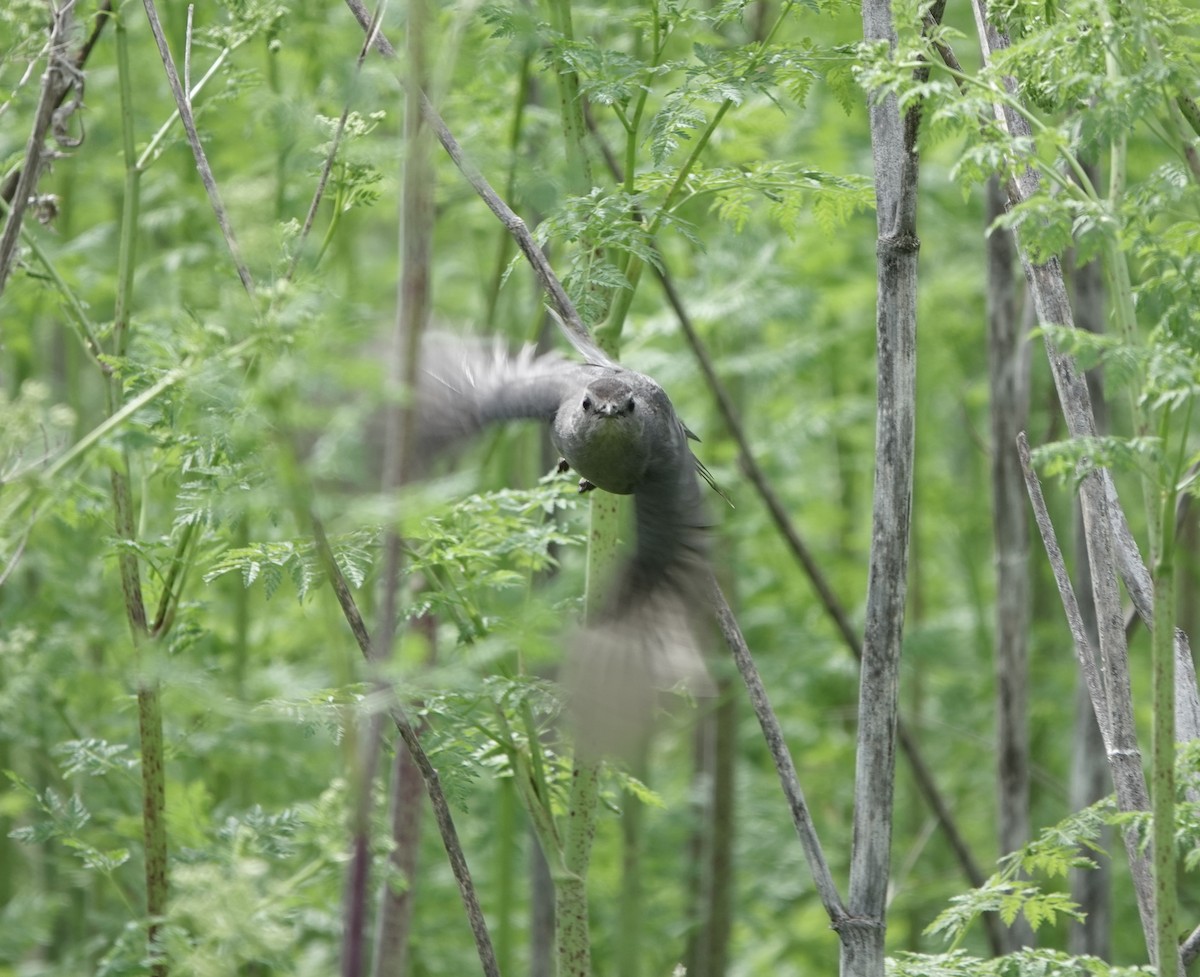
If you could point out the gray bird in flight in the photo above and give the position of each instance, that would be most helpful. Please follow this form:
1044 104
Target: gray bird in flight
618 430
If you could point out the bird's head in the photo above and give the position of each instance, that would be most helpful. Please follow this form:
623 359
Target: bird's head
609 399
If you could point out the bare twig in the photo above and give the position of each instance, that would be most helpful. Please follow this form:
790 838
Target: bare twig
102 17
1066 590
16 558
749 464
773 734
187 51
183 103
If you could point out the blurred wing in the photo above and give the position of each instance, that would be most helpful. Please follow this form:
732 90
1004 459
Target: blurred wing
466 386
646 640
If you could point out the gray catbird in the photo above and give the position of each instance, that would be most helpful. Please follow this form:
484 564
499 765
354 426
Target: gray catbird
619 431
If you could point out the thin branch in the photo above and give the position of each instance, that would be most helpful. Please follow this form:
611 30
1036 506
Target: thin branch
16 558
1066 591
183 103
187 49
773 734
753 471
156 140
433 785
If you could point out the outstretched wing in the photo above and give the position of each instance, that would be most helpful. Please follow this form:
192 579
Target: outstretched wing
465 386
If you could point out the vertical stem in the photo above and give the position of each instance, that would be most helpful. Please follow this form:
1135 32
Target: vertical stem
629 948
1008 375
504 239
893 143
506 848
150 727
574 940
394 915
579 167
412 309
154 828
1162 761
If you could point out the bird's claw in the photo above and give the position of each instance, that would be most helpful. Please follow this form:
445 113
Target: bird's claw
562 466
585 486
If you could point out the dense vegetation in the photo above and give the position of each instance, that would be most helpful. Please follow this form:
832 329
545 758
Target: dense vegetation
192 381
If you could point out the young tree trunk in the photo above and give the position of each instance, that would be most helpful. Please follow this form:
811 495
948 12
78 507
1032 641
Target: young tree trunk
1008 368
893 141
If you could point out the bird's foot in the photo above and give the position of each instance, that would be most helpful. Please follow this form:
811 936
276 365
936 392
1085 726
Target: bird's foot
562 466
585 486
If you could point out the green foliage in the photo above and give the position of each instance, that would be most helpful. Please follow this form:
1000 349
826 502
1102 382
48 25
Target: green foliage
1011 893
743 156
1074 843
268 562
1023 963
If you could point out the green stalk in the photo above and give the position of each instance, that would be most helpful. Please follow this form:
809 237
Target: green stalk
571 905
154 805
633 124
1161 531
504 240
574 945
579 167
149 702
506 848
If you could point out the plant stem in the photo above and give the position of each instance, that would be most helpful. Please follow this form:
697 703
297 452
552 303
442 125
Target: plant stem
1162 763
610 331
579 168
574 941
149 701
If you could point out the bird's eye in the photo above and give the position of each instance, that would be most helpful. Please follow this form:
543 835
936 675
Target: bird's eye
629 405
587 403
